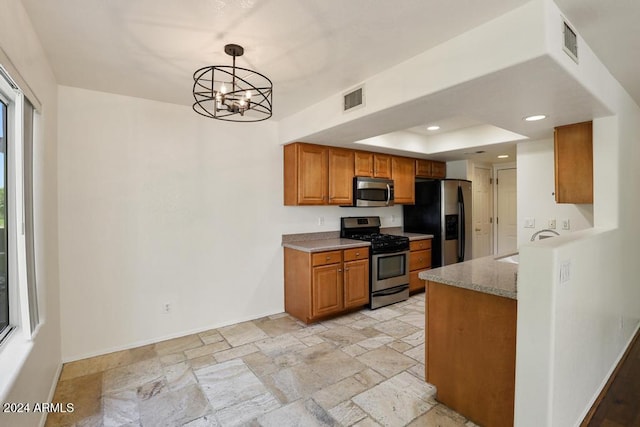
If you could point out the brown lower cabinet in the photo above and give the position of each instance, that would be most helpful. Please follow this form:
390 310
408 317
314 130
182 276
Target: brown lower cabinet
419 260
322 284
471 352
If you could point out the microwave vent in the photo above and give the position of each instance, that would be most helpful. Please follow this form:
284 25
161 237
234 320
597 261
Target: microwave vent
353 99
570 42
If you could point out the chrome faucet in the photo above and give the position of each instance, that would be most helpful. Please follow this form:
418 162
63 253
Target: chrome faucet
546 230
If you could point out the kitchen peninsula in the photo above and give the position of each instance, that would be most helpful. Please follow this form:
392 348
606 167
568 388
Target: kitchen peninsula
470 349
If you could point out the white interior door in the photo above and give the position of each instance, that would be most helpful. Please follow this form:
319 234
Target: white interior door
482 212
507 217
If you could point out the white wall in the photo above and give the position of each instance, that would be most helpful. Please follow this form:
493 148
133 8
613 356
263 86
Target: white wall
460 169
466 57
171 208
536 185
34 379
572 334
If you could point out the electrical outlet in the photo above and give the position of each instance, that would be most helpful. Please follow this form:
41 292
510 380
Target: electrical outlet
393 218
529 223
566 225
166 308
552 224
320 220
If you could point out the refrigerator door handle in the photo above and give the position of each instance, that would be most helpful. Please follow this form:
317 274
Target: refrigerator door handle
461 226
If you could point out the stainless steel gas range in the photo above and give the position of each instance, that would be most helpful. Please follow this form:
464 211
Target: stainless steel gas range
388 263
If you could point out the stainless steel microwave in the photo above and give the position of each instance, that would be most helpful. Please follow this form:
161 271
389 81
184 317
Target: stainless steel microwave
368 192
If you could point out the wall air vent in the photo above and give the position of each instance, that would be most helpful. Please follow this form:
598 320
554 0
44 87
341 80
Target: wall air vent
353 99
570 41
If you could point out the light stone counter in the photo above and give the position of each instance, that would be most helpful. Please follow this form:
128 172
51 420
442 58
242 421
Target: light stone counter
484 274
321 245
331 240
397 231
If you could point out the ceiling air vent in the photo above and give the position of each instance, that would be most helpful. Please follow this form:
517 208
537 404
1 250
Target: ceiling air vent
570 42
353 99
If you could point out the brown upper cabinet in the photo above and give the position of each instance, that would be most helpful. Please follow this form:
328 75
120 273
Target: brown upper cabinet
323 175
372 164
341 172
573 152
306 174
363 163
317 175
430 169
403 173
381 165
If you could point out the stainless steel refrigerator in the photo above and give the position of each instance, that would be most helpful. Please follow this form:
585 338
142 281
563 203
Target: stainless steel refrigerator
443 208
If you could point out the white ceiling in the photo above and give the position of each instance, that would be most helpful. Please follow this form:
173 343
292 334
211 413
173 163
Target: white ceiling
309 49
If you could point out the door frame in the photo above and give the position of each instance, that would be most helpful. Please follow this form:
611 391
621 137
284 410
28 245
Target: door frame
496 168
492 200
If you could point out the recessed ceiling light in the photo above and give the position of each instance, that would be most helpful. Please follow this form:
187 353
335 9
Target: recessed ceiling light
503 156
434 127
535 118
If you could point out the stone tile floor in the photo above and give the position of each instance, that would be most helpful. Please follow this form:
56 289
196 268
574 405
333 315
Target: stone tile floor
362 369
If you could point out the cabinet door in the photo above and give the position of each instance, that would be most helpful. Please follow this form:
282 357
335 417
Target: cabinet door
416 284
341 172
381 165
363 163
326 290
423 168
312 175
438 170
356 283
573 149
404 179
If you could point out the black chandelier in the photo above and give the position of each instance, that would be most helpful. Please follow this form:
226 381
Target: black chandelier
232 93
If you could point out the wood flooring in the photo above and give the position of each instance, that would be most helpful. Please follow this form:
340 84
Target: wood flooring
620 406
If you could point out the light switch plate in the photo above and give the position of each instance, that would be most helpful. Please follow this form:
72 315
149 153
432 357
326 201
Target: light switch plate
529 223
566 225
552 224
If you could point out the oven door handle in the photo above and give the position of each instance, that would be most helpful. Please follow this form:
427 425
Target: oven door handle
392 291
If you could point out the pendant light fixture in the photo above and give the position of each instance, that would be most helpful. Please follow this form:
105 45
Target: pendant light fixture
232 93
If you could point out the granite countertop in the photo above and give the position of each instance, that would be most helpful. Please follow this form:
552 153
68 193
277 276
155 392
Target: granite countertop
484 274
331 240
397 231
414 236
322 245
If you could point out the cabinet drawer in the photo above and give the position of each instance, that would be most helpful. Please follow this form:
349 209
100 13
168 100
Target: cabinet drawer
419 245
323 258
420 260
356 253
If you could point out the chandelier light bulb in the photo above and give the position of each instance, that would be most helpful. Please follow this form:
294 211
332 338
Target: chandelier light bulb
223 89
248 94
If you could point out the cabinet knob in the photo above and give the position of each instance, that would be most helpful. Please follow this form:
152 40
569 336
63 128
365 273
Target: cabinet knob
346 269
357 253
328 258
339 270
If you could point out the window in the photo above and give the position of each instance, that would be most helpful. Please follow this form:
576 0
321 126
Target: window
18 297
4 268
